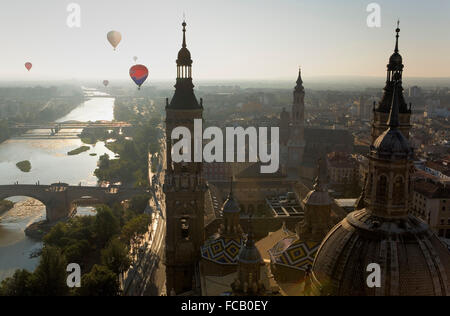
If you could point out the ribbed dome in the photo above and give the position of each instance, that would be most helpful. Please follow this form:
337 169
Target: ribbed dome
391 143
184 57
396 58
413 260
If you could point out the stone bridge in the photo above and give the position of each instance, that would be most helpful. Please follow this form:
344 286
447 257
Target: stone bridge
61 199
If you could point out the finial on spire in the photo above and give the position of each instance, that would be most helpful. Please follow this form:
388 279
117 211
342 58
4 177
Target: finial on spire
397 36
299 78
321 179
184 32
393 115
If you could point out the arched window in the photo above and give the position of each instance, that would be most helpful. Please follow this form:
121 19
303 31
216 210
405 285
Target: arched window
382 188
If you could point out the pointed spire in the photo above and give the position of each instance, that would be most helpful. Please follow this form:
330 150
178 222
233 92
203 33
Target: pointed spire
397 36
299 78
184 33
321 180
393 115
250 241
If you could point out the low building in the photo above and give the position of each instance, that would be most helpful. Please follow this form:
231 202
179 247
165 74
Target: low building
431 203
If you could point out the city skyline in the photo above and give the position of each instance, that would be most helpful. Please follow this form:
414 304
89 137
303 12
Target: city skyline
326 39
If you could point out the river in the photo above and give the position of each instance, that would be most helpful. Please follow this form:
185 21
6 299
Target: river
50 163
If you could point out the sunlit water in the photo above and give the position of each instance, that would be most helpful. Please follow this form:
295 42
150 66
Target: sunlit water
49 164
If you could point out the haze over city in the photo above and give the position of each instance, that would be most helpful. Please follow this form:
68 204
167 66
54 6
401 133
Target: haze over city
253 39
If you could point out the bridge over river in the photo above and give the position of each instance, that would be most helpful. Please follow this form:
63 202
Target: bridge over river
70 125
56 129
61 199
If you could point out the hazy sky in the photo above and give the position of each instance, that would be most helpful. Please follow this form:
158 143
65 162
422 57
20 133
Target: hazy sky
228 39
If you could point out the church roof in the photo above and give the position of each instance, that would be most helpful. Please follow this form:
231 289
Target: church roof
413 259
294 253
335 136
222 250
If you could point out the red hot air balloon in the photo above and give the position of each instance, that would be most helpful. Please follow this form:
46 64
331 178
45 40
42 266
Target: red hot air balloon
28 66
139 74
105 83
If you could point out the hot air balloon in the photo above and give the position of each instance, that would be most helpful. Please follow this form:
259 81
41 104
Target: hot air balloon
105 83
139 74
114 38
28 65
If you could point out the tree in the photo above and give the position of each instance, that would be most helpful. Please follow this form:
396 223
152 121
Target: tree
50 274
99 282
135 228
20 284
116 256
106 225
139 203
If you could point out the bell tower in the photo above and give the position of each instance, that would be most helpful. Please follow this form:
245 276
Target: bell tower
296 144
381 111
184 186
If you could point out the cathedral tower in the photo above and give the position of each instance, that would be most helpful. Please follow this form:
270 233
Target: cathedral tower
296 144
184 186
412 260
381 111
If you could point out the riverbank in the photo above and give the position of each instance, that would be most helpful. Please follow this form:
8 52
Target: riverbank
50 164
5 206
38 230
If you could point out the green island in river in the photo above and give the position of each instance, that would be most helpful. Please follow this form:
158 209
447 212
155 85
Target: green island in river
24 166
78 150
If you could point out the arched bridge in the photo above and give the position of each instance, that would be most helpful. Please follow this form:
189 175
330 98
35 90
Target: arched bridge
61 199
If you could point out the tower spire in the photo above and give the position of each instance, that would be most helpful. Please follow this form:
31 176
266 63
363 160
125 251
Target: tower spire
393 115
299 79
322 177
397 36
184 33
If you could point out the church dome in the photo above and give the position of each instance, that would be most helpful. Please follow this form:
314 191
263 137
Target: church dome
184 57
413 260
391 143
396 59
